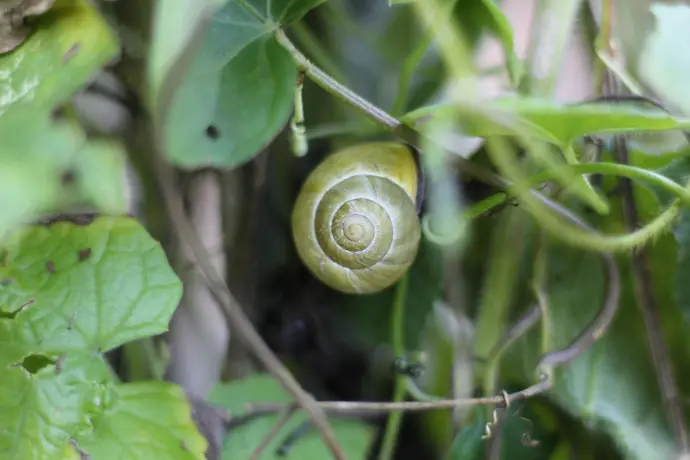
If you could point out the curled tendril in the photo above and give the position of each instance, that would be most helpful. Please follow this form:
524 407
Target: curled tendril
525 438
488 433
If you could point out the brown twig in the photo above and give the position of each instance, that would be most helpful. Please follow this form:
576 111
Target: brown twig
238 321
644 292
409 406
521 326
288 412
235 316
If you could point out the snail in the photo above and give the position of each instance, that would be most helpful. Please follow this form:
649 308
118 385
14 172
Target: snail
355 224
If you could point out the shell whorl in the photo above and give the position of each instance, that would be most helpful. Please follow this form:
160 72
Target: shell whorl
355 221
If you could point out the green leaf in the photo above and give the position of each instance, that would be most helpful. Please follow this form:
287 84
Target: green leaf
528 422
447 343
68 293
94 287
554 122
611 385
238 92
101 175
682 235
468 443
229 109
145 421
679 170
285 12
43 407
48 165
354 436
68 46
174 25
42 157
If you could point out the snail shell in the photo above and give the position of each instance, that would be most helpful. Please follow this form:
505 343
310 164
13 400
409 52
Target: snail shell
355 223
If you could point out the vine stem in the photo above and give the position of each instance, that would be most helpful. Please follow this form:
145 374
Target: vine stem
373 112
614 169
537 204
400 391
408 406
239 323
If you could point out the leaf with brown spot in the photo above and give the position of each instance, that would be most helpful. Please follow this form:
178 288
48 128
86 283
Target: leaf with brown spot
84 254
71 52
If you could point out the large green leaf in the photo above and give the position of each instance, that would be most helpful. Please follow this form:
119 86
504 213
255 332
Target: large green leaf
238 92
145 421
468 443
682 234
527 431
612 385
174 25
555 122
354 436
68 46
48 165
675 279
42 407
68 293
664 278
92 287
226 116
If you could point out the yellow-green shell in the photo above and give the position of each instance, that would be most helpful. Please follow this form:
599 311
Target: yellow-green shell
355 222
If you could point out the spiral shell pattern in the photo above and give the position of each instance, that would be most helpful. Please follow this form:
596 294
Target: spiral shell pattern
355 221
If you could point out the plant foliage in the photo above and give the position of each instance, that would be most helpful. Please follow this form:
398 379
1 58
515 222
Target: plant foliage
557 208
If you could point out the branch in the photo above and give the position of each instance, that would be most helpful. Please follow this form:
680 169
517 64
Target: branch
374 113
238 321
288 412
367 408
644 292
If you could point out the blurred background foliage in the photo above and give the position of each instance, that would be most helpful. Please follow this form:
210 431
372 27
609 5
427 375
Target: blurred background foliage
225 124
607 403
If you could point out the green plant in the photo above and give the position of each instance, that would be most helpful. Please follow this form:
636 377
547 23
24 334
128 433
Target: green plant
542 311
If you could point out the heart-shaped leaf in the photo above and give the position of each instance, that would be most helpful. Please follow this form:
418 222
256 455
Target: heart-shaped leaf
238 91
